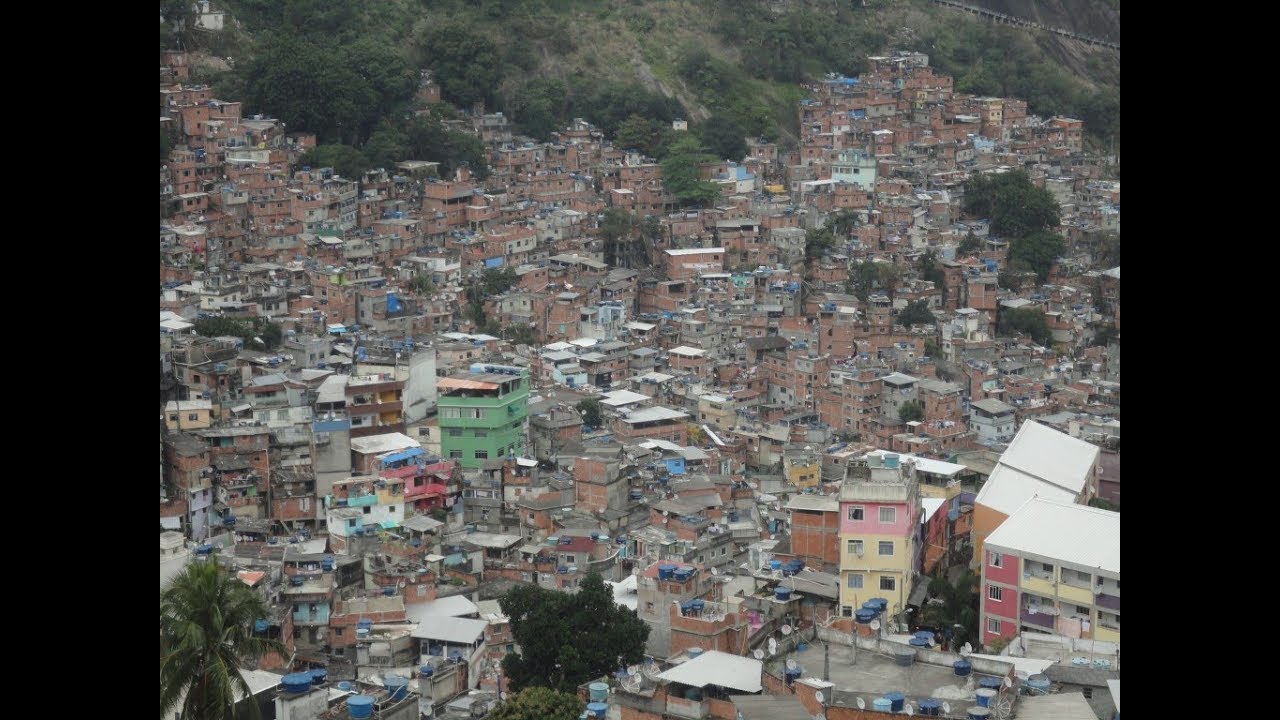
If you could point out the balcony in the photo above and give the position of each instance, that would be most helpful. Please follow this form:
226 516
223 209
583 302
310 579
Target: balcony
1037 619
1108 602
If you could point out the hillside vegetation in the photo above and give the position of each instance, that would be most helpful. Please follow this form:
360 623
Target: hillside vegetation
347 71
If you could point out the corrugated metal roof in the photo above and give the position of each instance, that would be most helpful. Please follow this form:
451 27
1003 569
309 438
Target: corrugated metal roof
1062 531
716 668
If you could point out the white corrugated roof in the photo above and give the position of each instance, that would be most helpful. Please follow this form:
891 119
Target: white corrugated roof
716 668
452 606
650 414
693 251
1039 461
463 631
924 464
1062 531
622 397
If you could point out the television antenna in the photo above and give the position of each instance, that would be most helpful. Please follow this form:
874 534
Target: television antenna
862 704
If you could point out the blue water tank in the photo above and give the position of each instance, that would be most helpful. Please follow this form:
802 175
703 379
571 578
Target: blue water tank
1039 682
992 683
697 604
364 623
891 460
319 675
683 574
296 682
775 564
204 549
260 625
782 593
904 657
930 706
360 706
962 667
296 580
345 686
985 695
918 642
389 590
924 635
979 713
397 686
599 691
665 570
862 617
871 605
897 699
882 602
794 674
597 709
326 563
228 519
882 705
693 652
426 671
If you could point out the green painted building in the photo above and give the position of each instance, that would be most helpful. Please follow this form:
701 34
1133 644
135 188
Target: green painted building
482 413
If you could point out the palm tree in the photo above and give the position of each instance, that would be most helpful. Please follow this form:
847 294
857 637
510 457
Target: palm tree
958 607
206 636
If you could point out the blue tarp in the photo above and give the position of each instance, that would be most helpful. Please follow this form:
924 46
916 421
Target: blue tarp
397 457
493 262
393 303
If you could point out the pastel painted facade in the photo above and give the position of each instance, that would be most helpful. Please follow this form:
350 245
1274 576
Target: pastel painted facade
483 414
379 502
1053 567
879 534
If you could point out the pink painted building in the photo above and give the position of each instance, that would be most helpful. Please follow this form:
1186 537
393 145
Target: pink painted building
999 596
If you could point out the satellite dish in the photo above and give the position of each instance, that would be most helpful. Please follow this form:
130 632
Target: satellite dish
791 664
633 669
1007 682
664 513
875 624
906 708
946 708
666 520
862 704
820 697
715 571
773 646
758 654
966 650
786 629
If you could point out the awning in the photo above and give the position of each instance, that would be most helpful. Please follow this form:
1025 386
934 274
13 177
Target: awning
388 524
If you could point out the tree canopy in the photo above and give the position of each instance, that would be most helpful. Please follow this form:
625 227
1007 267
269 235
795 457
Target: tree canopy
590 409
724 137
911 411
538 703
1039 250
1015 205
1028 320
464 62
916 313
680 172
206 637
568 639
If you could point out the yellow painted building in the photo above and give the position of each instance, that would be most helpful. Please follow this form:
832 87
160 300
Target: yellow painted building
184 415
879 527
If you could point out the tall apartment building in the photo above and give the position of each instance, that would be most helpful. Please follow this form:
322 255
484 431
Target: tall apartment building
483 413
1053 567
879 527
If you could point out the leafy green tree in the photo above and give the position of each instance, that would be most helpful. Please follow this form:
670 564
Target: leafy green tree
568 639
590 410
916 313
817 243
863 279
538 703
464 61
426 138
384 72
421 284
345 160
1039 250
889 276
641 133
911 411
1015 205
1026 320
386 147
206 638
1104 504
540 107
845 222
680 173
959 606
970 244
725 138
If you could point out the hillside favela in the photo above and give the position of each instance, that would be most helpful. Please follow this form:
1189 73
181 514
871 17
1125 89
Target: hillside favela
639 360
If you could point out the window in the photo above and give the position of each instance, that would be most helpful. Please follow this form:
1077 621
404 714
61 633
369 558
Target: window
455 432
846 611
482 454
886 547
338 631
482 433
854 547
393 508
888 515
173 418
451 413
855 581
855 512
368 509
997 560
888 583
995 592
993 626
455 454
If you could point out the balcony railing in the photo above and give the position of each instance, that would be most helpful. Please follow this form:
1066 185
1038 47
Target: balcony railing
1038 619
1109 602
